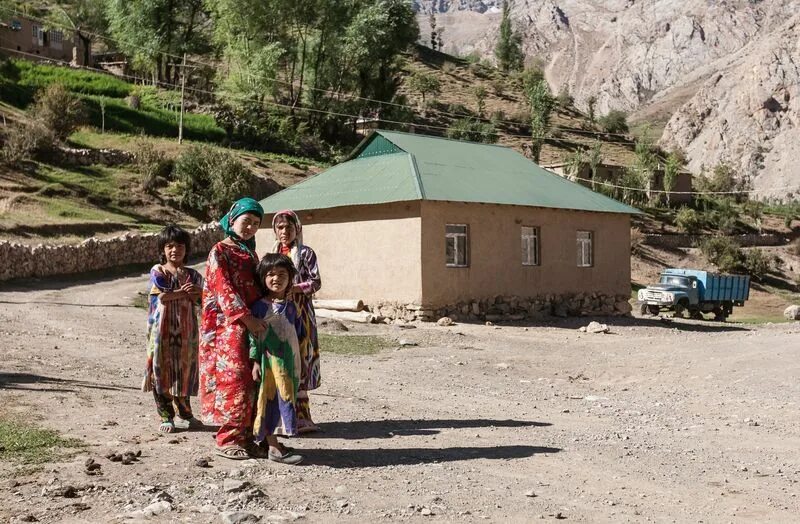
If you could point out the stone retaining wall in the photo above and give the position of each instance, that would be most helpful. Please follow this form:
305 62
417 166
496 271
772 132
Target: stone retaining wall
748 240
510 308
25 261
87 157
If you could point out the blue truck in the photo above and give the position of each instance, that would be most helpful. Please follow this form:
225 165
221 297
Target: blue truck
695 292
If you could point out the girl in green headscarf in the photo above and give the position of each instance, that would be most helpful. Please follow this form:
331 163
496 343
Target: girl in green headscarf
230 289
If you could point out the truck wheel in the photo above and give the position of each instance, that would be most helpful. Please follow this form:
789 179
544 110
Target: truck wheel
680 307
695 314
719 314
653 310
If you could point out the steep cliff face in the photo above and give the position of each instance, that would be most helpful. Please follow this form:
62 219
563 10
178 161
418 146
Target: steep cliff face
748 114
695 59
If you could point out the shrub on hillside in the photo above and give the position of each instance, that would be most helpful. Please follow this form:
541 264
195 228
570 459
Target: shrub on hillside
208 180
688 220
723 252
614 122
27 141
472 130
58 110
756 263
151 164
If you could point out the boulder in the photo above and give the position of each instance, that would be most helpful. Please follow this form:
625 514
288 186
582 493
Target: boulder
792 312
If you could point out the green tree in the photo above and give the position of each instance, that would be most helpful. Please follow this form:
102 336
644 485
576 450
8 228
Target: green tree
425 84
575 162
595 158
480 98
591 105
324 53
509 44
755 210
541 102
86 17
615 122
672 168
646 163
432 24
150 30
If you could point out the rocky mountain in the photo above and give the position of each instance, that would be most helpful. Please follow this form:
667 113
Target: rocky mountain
723 73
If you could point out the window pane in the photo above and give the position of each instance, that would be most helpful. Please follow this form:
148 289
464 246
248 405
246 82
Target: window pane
450 251
461 250
456 229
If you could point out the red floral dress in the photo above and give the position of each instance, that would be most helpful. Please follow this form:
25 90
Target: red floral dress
226 383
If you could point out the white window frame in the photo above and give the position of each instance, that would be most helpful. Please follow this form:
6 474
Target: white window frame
585 248
454 236
37 35
56 38
531 242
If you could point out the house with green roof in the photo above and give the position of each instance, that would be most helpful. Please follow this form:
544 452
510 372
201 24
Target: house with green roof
419 226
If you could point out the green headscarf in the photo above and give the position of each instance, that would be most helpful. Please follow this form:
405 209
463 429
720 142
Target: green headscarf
239 208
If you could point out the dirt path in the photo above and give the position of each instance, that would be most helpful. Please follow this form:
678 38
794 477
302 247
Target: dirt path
657 421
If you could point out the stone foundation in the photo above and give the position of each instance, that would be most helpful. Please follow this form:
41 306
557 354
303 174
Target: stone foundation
25 261
500 308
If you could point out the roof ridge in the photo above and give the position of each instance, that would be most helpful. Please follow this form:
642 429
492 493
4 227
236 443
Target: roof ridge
416 175
457 140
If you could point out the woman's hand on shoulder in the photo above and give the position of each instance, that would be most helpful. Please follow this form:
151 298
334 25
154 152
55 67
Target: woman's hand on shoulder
254 325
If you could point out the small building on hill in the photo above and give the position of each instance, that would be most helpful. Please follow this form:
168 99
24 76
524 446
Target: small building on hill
419 226
25 38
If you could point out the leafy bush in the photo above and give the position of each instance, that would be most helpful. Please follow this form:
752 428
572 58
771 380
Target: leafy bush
564 98
723 253
26 141
499 86
472 130
756 263
688 220
614 122
208 180
58 110
151 164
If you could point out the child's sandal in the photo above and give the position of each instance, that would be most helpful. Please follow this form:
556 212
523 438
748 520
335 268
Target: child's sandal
234 452
167 426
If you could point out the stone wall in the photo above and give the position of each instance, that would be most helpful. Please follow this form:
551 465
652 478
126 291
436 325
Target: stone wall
26 261
751 239
510 308
88 157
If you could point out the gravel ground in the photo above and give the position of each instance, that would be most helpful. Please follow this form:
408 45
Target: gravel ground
656 421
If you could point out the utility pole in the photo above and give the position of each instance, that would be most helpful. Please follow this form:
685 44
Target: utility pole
183 93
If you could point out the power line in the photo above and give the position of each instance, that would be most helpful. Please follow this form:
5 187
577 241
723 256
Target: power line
350 96
169 86
287 106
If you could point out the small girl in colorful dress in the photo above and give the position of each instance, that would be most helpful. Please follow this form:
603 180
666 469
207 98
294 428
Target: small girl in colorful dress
275 358
172 331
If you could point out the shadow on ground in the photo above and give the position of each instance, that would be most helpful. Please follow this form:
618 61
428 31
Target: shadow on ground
376 458
31 382
365 429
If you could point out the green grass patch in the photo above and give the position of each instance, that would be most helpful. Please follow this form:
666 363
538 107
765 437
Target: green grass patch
27 444
352 344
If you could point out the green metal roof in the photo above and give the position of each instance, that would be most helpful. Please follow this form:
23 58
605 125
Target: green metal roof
389 166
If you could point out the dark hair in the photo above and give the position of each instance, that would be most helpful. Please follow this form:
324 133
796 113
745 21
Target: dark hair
173 233
271 261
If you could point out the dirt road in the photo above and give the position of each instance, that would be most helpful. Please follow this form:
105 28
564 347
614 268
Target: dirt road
655 422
